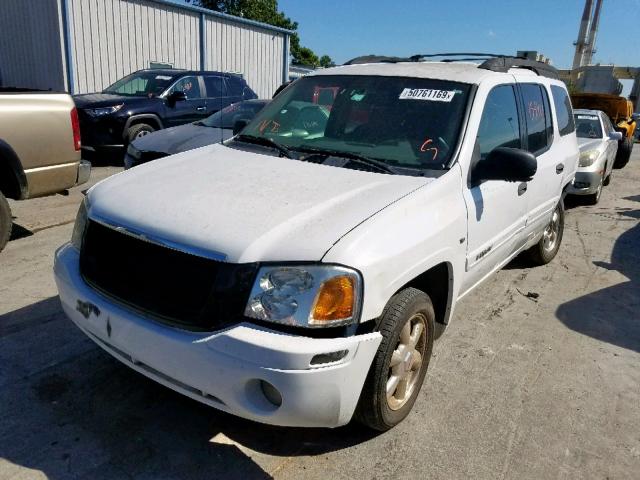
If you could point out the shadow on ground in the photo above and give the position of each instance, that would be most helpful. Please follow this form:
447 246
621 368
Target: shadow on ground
593 315
71 411
18 232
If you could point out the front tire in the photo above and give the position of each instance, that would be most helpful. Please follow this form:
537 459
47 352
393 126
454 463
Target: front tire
5 221
407 326
594 198
139 130
546 249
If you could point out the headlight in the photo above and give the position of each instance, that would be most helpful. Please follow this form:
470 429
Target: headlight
587 158
306 295
133 152
101 112
80 225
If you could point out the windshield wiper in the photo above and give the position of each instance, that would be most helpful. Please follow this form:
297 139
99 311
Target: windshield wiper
356 157
265 142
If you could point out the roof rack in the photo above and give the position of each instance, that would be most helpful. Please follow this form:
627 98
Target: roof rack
503 64
490 61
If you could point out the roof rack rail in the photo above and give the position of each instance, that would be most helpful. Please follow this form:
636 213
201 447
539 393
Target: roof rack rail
419 57
376 59
503 64
491 61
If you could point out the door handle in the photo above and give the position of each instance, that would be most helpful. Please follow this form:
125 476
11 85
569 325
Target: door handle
200 109
560 168
522 188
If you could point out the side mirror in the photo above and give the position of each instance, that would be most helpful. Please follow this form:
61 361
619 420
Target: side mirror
508 164
239 125
177 96
617 136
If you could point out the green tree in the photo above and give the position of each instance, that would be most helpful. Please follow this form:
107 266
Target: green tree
325 61
266 11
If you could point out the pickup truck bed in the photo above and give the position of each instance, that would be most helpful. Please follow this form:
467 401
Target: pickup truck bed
39 148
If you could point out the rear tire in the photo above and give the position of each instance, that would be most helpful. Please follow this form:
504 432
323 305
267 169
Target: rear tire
624 153
547 248
407 326
5 221
139 130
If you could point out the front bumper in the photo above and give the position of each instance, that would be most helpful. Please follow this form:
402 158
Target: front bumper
101 132
224 369
585 183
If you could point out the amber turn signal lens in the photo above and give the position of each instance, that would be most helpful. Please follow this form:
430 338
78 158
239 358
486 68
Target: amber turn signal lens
335 300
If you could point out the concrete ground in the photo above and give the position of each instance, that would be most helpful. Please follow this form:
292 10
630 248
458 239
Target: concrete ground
538 376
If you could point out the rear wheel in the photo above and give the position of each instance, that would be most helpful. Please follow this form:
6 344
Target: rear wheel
5 221
139 130
546 249
624 153
397 373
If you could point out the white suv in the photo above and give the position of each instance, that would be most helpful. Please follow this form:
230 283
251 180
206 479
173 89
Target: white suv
294 274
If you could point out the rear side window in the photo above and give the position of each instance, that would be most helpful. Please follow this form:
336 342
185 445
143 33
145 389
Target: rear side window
539 127
215 86
564 112
499 126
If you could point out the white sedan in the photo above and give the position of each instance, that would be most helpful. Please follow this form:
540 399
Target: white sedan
598 142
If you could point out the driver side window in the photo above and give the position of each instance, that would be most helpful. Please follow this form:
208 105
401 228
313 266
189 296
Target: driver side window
499 126
188 85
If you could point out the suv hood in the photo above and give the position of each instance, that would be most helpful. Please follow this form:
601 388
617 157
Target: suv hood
247 206
97 100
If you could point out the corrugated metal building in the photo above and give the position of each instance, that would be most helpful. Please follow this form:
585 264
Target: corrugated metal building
85 45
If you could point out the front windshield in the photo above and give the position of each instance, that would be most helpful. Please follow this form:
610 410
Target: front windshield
405 122
228 116
141 84
588 126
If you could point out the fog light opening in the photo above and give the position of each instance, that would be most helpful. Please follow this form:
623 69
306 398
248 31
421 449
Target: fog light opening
271 393
328 357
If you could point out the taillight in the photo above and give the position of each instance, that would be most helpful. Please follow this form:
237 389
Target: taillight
75 126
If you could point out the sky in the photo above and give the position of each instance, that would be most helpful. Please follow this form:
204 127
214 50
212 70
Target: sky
344 29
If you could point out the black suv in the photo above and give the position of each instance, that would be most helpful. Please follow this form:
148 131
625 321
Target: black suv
149 100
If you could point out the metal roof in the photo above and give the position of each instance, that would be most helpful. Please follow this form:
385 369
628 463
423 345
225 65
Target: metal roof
224 16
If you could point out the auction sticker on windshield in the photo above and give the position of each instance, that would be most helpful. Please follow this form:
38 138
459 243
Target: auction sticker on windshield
587 117
427 94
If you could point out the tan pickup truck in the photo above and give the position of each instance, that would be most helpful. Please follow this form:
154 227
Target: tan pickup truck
39 148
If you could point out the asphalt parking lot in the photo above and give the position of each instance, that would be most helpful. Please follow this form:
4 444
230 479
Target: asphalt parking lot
538 376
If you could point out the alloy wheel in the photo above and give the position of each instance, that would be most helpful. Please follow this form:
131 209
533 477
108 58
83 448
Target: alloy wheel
551 233
406 362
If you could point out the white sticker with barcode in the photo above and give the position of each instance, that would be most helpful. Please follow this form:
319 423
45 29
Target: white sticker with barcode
163 77
427 94
587 117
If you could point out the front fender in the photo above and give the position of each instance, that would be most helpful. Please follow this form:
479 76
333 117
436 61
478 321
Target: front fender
141 117
412 235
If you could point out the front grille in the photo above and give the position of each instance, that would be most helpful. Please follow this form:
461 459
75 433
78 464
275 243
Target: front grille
175 287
